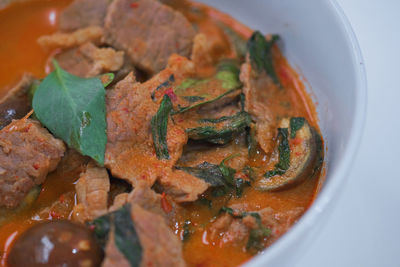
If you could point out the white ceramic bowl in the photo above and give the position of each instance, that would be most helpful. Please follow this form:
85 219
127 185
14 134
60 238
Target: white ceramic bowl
320 44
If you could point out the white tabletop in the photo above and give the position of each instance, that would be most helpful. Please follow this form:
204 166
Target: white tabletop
364 229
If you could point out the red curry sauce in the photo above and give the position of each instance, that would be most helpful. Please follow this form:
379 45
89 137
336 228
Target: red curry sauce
20 26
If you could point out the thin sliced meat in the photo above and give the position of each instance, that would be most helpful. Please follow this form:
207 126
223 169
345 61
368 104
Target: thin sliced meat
130 153
16 103
160 246
92 192
148 31
143 196
89 60
28 152
236 230
68 40
257 88
83 13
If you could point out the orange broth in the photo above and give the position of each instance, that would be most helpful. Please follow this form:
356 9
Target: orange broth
20 26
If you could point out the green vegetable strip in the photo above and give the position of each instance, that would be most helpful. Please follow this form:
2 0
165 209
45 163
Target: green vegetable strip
296 124
126 238
256 235
233 124
187 108
284 154
260 51
215 175
159 125
166 83
251 141
208 172
221 177
193 98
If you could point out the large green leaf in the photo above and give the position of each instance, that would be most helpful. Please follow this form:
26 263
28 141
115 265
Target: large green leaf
73 109
260 51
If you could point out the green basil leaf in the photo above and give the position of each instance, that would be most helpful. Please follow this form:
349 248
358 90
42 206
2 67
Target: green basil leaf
159 125
256 237
166 83
284 154
208 172
126 238
74 110
220 134
296 123
260 51
215 175
184 109
193 98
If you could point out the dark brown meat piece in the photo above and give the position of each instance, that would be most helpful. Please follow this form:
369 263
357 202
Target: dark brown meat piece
88 60
130 153
160 246
148 31
16 103
83 13
257 88
28 152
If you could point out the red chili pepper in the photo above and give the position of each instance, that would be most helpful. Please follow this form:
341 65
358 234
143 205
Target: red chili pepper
54 215
166 206
296 141
169 92
134 5
36 166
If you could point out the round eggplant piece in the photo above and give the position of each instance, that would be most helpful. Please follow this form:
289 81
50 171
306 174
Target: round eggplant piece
56 243
302 146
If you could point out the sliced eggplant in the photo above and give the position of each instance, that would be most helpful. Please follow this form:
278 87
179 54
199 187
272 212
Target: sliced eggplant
17 103
299 147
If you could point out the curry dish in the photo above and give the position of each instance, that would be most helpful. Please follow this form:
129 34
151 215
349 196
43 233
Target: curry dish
147 133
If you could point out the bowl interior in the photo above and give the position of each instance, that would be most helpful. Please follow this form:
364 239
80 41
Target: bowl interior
319 42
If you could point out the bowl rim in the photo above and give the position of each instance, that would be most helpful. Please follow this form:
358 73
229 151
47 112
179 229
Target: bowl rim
331 186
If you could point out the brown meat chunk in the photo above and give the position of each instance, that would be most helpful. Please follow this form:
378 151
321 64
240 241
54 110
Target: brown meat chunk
160 246
83 13
88 60
148 31
229 230
92 192
68 40
201 53
28 152
16 103
257 88
130 153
